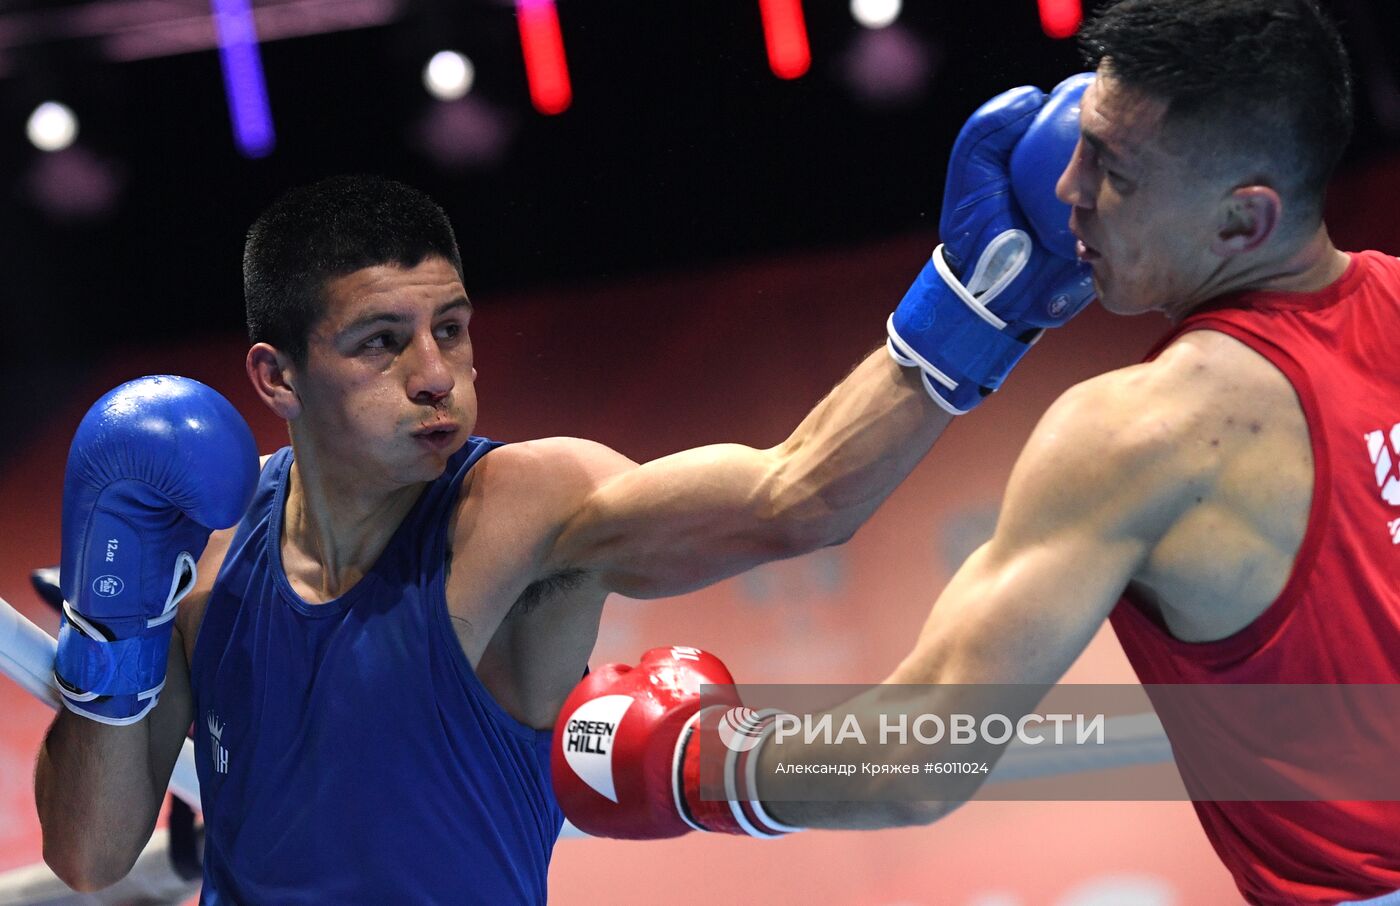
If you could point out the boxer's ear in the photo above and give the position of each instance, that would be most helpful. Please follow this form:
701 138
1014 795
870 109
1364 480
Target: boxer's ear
1247 218
273 375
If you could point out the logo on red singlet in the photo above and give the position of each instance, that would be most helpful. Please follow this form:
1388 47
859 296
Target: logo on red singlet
1386 458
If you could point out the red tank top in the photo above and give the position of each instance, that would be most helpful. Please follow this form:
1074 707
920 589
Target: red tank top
1338 617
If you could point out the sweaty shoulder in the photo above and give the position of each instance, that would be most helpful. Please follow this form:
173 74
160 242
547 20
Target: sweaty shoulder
1205 397
1211 446
1250 424
561 462
1123 451
537 486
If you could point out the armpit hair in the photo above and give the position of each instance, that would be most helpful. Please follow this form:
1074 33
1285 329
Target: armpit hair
538 592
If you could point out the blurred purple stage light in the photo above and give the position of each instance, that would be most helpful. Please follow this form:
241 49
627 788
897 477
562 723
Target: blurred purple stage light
142 29
243 77
74 185
891 66
468 133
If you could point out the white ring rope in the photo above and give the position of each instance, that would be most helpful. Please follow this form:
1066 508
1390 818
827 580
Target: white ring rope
1129 741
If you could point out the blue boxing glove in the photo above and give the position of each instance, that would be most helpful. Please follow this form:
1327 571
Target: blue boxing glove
1005 270
1041 156
155 466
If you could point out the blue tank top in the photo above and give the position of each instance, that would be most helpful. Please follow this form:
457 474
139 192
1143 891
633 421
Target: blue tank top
347 751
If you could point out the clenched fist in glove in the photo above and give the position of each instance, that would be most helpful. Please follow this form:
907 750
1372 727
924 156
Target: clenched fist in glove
1007 267
626 754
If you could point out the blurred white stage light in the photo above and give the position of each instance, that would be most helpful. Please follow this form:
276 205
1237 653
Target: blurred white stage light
52 126
448 75
876 13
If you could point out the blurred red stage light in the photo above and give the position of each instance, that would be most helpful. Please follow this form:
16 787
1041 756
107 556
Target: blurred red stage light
785 34
1061 18
543 46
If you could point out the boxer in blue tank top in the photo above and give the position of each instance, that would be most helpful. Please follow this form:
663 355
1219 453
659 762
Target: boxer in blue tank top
373 657
340 683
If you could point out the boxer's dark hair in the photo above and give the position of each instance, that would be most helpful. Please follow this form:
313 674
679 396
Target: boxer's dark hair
1260 81
325 230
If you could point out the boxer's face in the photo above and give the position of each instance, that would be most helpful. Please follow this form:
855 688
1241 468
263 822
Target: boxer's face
388 382
1145 216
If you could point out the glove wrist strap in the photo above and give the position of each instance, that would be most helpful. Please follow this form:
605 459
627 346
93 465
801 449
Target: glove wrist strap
740 811
114 681
90 664
962 348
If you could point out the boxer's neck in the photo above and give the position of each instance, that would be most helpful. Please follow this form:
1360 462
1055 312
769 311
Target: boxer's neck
1310 266
333 532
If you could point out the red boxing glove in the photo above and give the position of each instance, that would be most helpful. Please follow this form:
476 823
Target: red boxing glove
626 759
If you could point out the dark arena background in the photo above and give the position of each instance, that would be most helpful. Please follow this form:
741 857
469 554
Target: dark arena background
681 223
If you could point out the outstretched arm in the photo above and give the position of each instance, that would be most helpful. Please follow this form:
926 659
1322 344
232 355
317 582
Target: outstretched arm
693 518
690 519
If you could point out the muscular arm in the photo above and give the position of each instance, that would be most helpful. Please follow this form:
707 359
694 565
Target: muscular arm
1103 477
690 519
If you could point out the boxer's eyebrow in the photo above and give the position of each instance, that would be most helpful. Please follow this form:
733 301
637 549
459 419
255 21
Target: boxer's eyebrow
375 318
1100 147
459 302
1103 151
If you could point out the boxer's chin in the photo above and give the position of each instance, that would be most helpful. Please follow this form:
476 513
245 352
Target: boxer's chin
1113 297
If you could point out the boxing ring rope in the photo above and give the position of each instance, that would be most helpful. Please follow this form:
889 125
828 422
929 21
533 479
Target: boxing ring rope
27 655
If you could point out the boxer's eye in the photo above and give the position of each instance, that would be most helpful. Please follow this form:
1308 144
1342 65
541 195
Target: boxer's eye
380 342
